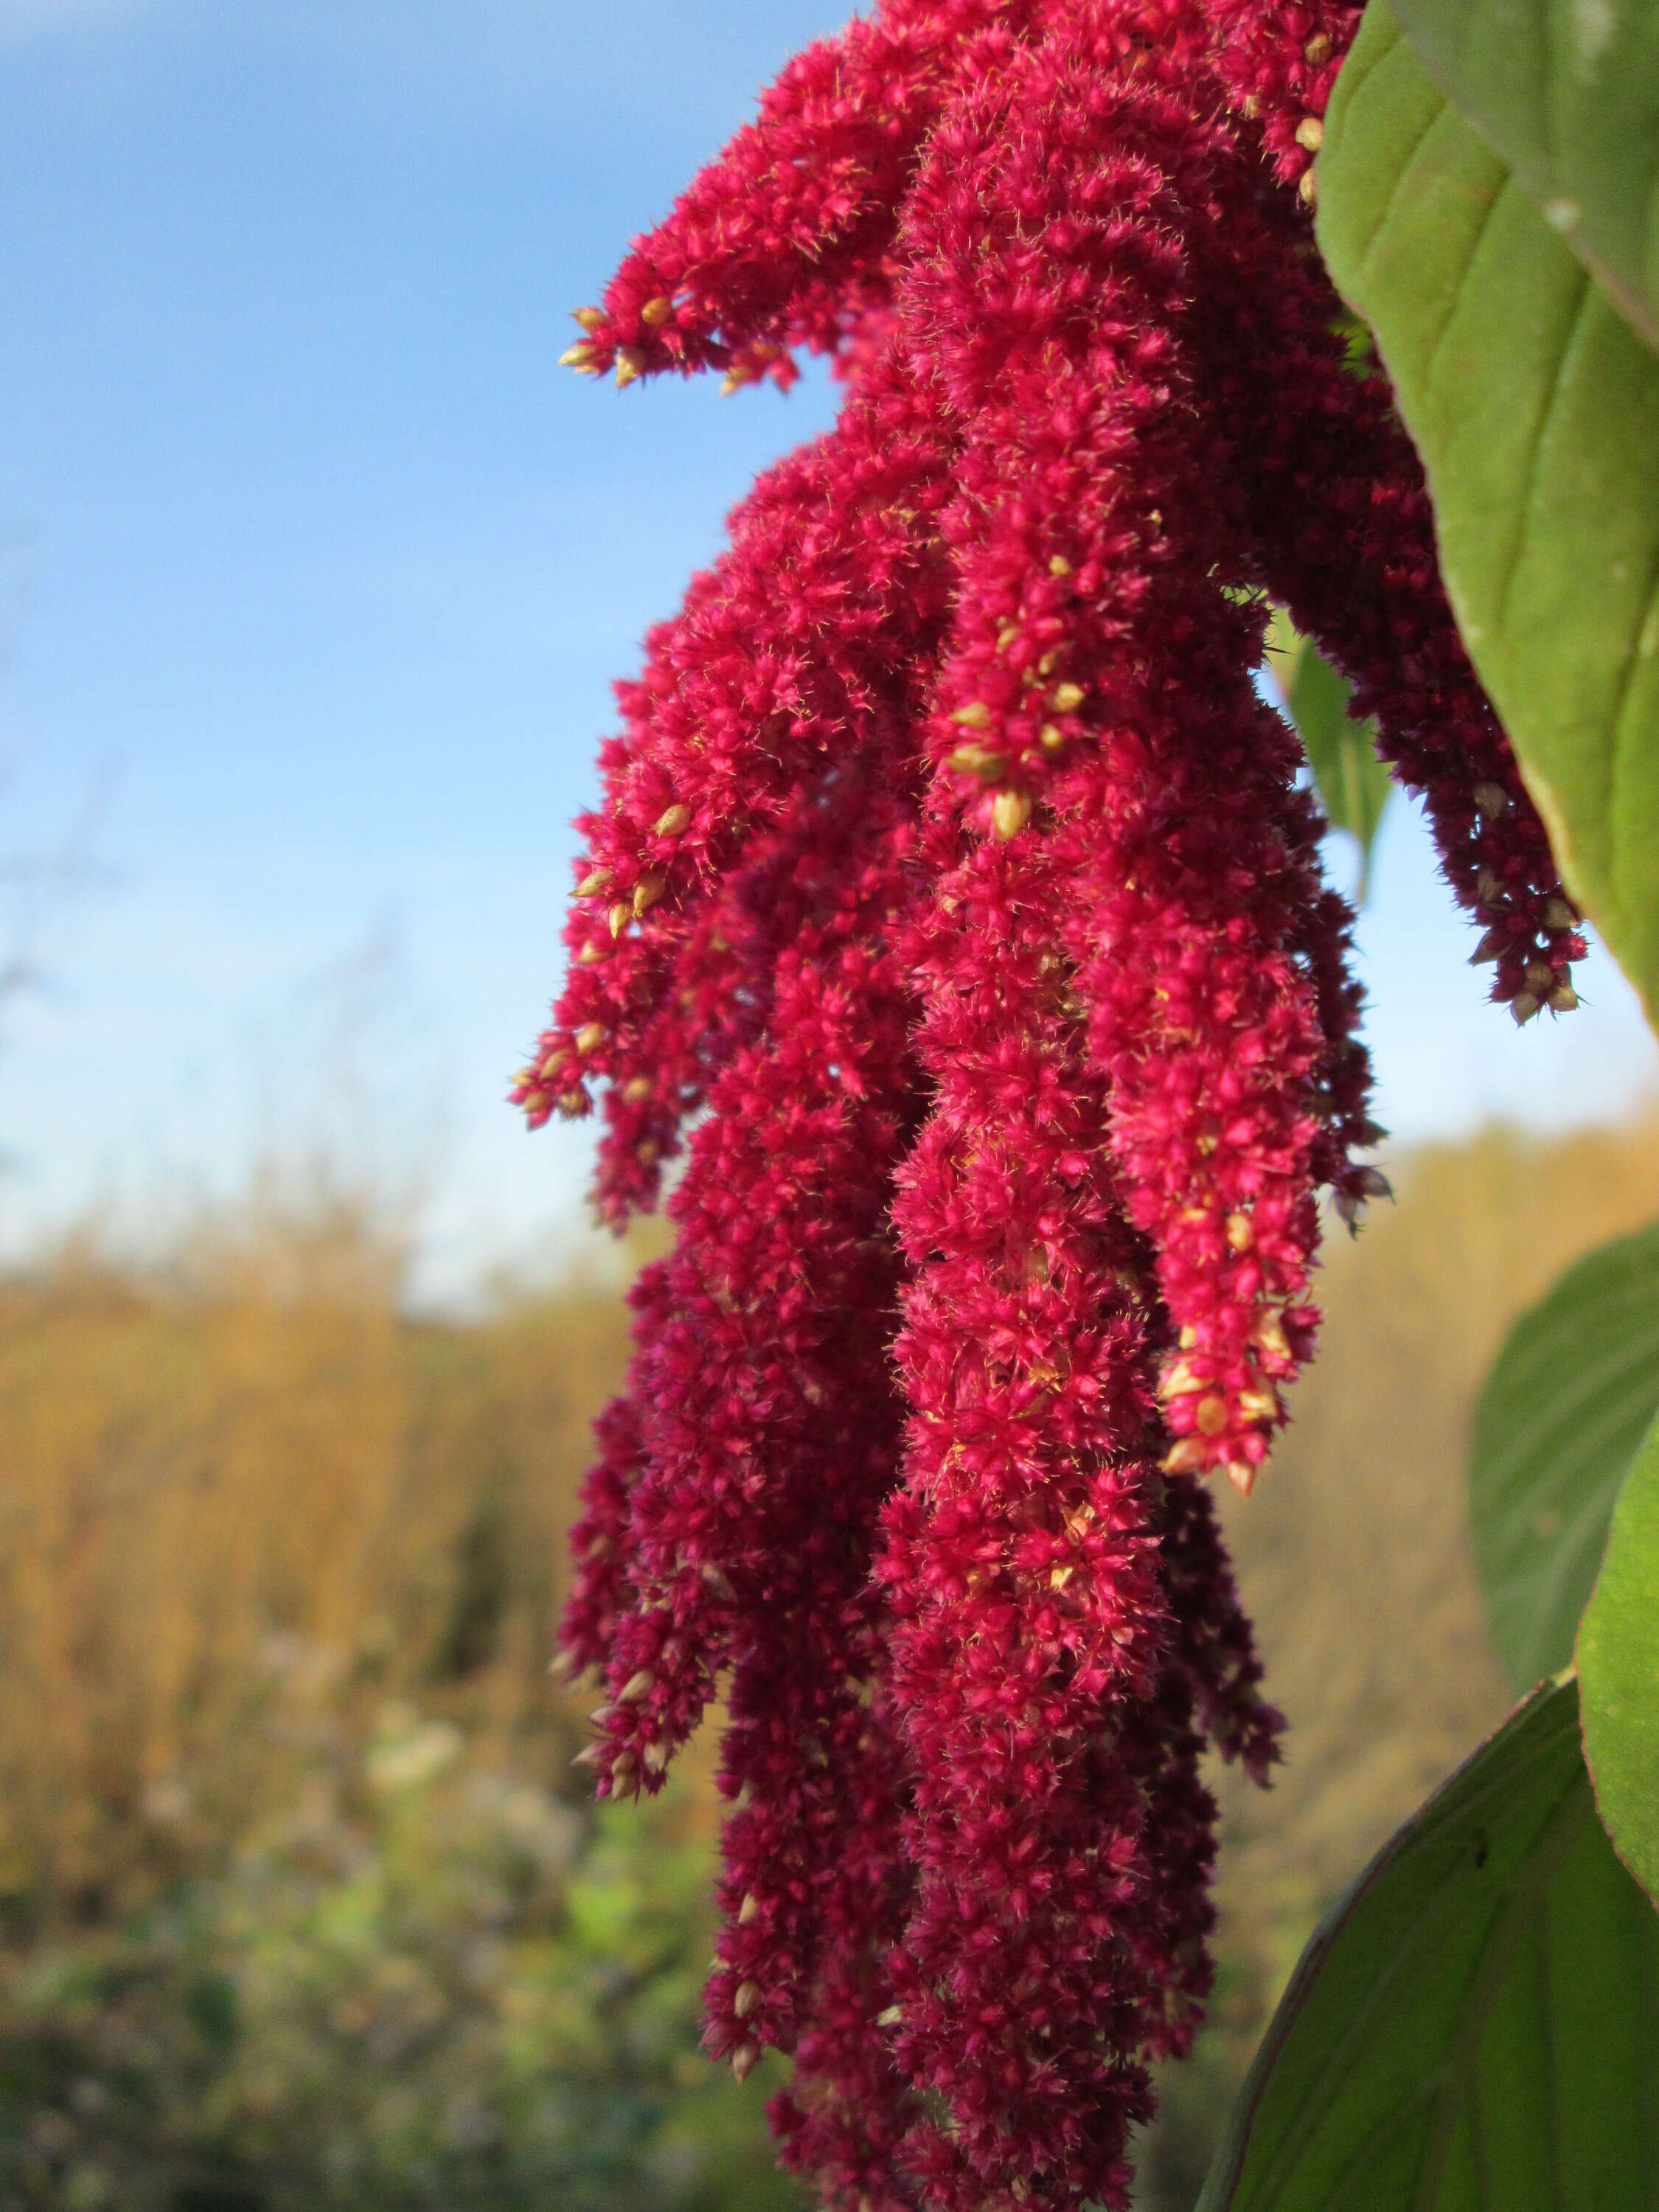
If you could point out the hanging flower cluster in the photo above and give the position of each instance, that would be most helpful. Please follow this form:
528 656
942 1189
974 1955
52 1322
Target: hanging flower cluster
955 912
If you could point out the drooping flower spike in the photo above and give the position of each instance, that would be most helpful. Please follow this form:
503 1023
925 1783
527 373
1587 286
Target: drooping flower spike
954 906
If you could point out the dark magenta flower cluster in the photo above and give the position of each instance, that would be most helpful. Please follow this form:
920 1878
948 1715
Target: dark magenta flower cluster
954 912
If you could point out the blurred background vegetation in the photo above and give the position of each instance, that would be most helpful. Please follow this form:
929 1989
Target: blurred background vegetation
300 1905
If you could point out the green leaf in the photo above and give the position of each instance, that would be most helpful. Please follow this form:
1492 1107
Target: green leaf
1567 91
1352 783
1562 1416
1536 410
1475 2027
1618 1664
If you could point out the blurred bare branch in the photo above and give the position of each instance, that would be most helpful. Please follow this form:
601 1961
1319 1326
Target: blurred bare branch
36 884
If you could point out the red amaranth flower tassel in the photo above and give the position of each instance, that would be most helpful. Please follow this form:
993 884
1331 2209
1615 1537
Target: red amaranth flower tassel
955 906
787 230
1109 677
814 631
1342 526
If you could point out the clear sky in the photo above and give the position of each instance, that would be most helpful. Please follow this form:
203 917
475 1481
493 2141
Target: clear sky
314 570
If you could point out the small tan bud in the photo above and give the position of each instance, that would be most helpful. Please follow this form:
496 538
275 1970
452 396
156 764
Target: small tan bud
1487 888
590 318
592 952
1210 1418
1188 1456
1540 978
574 1105
1491 800
893 2017
1006 635
1188 1336
1241 1475
1241 1231
648 889
1059 565
719 1582
1251 106
619 917
1563 999
1522 1008
1558 914
1307 191
1051 737
655 312
588 1756
1318 49
1491 946
747 1998
648 1152
1372 1182
638 1685
551 1066
733 381
1059 1577
625 1772
745 2059
593 883
1310 133
561 1667
749 1910
1066 698
579 355
975 715
1258 1404
672 820
1011 810
977 760
657 1756
631 366
638 1089
1269 1333
1179 1381
1050 661
589 1037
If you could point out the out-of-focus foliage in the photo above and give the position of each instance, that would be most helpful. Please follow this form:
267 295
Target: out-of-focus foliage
427 1984
1564 1414
300 1906
1617 1655
1353 784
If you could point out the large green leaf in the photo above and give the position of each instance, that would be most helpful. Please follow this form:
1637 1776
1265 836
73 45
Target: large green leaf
1536 410
1567 91
1619 1662
1563 1415
1352 783
1475 2028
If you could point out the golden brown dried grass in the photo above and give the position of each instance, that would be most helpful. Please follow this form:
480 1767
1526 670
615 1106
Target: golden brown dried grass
243 1483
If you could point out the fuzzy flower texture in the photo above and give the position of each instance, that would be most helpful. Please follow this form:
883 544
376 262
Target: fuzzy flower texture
955 916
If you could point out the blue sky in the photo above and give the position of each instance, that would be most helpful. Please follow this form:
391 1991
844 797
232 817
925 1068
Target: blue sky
314 571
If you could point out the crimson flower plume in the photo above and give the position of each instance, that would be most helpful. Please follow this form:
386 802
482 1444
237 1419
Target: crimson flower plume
954 915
